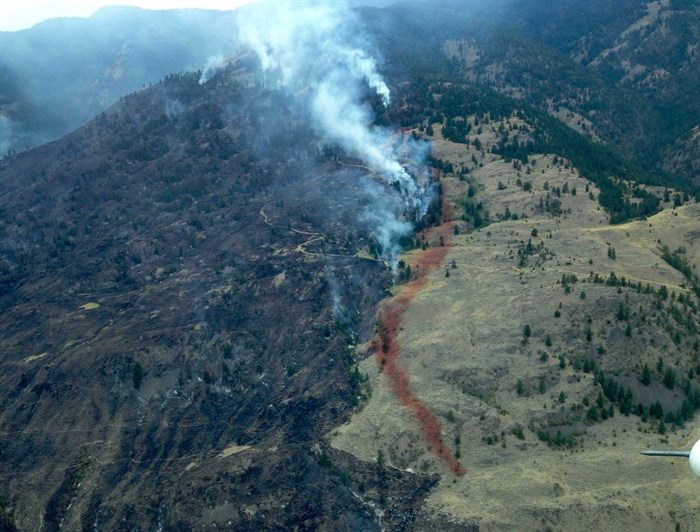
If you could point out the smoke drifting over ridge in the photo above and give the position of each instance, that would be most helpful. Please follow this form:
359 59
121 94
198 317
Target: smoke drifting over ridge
319 55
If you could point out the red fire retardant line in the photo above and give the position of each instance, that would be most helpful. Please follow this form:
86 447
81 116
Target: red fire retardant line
388 351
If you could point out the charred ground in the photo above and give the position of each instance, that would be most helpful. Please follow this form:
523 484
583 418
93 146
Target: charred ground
181 292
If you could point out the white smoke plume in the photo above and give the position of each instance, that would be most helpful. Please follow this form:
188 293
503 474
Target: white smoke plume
339 311
319 54
213 63
6 135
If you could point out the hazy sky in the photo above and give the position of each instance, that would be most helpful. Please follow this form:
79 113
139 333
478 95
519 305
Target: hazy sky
21 14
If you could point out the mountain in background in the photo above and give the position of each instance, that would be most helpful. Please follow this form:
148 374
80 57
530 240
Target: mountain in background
62 72
623 73
620 72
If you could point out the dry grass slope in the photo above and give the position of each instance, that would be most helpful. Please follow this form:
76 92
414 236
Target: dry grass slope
463 346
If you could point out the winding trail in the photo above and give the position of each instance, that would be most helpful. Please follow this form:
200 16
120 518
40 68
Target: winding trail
301 248
387 349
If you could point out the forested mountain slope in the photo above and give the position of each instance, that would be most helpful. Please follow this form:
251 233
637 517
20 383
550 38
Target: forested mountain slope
624 73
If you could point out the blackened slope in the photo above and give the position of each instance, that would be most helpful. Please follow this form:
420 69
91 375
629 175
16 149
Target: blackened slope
213 331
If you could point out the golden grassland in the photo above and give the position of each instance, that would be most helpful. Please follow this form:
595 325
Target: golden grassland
463 346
